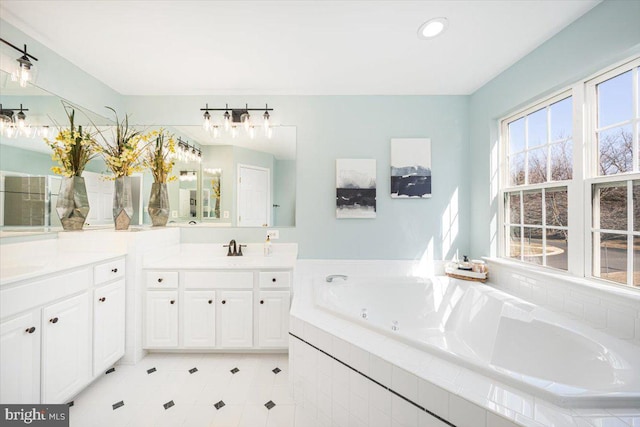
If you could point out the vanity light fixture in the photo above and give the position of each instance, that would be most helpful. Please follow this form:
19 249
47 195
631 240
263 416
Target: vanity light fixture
187 152
236 116
23 73
188 176
432 28
13 124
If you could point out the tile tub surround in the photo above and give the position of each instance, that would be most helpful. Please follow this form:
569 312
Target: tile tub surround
612 309
332 390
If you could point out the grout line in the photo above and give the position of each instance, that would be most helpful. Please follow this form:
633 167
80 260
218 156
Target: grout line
376 382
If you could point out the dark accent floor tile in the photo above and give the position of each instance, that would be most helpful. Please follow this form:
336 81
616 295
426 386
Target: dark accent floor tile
219 405
235 370
270 404
276 370
169 404
117 405
193 370
110 370
70 404
151 371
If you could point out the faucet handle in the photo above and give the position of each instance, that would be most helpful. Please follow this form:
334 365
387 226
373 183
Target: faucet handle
229 253
240 249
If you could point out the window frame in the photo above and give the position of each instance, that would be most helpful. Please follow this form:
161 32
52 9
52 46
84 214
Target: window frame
585 176
505 177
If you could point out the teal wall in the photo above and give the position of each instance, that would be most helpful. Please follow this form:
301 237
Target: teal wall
609 33
284 190
331 127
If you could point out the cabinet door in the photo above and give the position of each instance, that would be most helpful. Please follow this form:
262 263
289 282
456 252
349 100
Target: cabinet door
20 359
236 319
66 348
273 319
199 319
161 321
108 325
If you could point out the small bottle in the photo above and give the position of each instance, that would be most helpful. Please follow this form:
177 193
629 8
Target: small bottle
465 264
267 247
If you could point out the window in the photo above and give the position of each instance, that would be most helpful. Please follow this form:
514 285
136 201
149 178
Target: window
540 158
551 155
615 184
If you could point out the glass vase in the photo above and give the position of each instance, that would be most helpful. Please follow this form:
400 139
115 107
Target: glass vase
72 206
122 203
159 204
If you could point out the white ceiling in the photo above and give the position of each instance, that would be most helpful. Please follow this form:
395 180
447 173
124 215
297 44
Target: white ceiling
291 47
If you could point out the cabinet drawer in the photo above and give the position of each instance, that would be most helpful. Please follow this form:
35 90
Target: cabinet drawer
108 271
162 279
15 299
218 279
274 279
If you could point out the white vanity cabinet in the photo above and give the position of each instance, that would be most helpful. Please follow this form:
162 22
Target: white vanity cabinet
199 319
53 339
273 319
20 359
236 319
217 309
66 349
108 325
161 326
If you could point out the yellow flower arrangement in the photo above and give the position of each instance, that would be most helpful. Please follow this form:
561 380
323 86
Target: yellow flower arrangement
160 157
123 155
72 148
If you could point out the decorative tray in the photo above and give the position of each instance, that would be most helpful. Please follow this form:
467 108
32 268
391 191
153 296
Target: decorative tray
466 275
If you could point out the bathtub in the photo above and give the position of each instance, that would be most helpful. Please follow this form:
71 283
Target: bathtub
496 334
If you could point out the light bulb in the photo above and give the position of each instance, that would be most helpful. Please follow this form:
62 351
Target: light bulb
216 131
234 131
252 132
246 121
207 121
227 121
10 131
27 131
21 119
266 118
269 133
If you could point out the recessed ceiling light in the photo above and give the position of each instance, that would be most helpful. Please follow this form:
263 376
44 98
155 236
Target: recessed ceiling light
432 28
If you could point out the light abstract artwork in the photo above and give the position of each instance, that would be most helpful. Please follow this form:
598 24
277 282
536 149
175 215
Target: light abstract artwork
355 188
411 168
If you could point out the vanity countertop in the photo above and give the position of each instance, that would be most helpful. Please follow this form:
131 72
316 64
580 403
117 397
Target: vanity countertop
212 256
29 260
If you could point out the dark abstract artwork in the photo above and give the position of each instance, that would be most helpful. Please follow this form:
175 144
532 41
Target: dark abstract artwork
355 188
411 168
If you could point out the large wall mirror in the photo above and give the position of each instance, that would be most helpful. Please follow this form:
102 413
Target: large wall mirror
239 182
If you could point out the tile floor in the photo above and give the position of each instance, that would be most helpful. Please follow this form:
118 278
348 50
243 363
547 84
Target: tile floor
192 390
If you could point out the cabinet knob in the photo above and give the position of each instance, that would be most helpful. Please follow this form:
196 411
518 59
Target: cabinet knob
224 301
273 280
114 270
210 301
172 301
30 330
54 320
103 299
261 301
160 279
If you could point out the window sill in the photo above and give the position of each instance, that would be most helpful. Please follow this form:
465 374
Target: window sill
578 283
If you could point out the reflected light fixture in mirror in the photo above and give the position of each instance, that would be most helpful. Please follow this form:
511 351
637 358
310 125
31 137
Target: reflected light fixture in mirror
237 115
14 125
22 73
187 152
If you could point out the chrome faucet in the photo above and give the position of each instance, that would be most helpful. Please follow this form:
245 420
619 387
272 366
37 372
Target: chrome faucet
331 277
